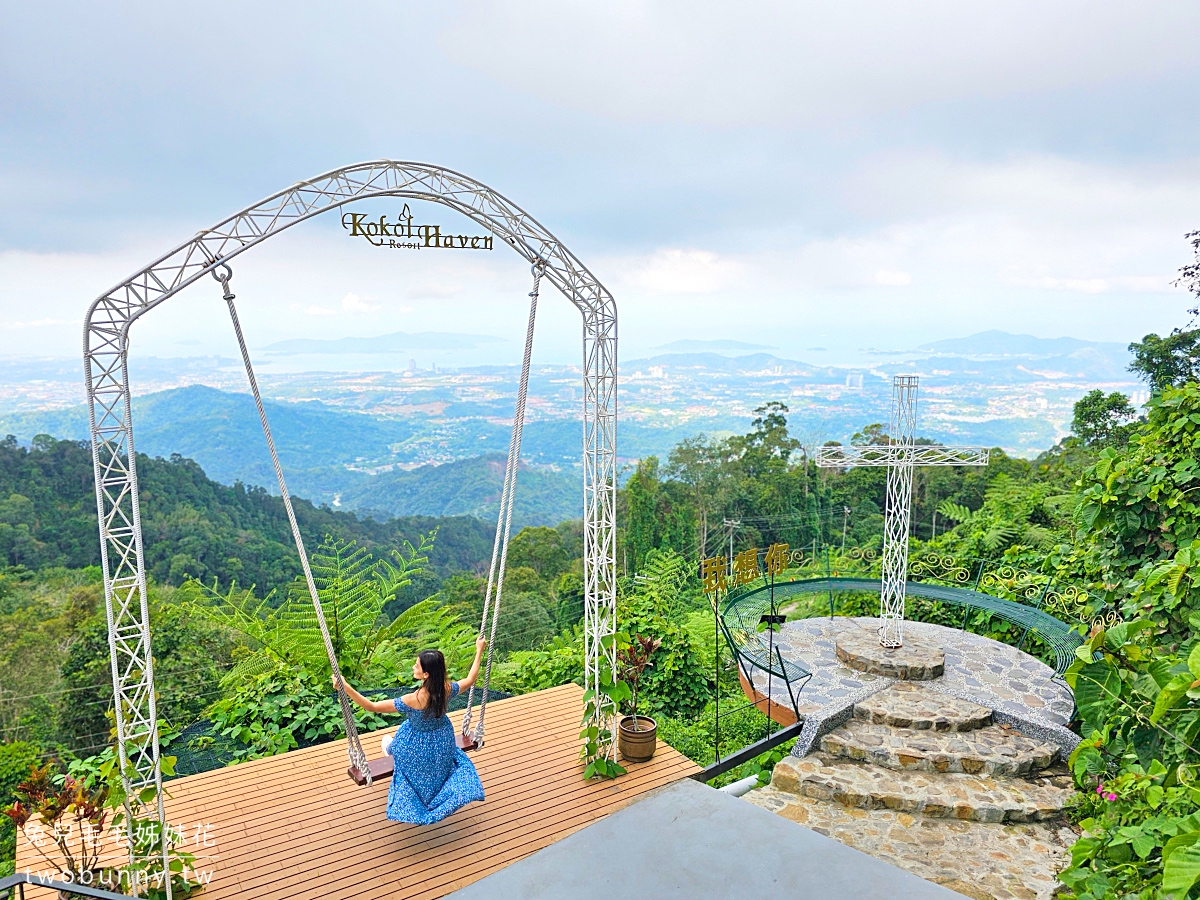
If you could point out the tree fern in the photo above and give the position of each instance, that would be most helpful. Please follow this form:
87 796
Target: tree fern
353 589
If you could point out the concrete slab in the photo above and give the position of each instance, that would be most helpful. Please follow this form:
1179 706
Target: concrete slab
690 841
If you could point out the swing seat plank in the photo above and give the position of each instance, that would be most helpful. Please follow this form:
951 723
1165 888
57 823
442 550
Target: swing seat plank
383 767
380 769
293 827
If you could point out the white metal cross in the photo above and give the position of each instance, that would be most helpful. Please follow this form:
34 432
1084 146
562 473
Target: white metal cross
900 455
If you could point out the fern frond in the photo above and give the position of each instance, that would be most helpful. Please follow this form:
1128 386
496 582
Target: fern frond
955 512
1039 536
997 536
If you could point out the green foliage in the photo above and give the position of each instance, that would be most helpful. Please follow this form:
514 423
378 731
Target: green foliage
1103 420
632 663
599 706
422 627
656 515
1139 516
766 481
1014 514
41 614
1170 361
57 684
276 711
676 684
695 737
525 622
1140 808
353 589
17 758
193 527
540 549
558 662
91 792
69 816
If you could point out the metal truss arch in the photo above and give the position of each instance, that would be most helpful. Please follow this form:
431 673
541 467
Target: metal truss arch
106 347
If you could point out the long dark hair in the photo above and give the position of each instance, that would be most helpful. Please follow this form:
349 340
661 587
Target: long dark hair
433 664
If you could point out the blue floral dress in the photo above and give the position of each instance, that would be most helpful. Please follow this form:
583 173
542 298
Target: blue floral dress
432 778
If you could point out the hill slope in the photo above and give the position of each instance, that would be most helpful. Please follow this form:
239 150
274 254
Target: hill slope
470 487
192 525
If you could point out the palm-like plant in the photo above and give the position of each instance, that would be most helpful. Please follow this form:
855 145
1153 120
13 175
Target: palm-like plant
661 580
1013 512
353 588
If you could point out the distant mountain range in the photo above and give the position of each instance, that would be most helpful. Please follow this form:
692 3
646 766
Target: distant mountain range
993 388
397 342
322 451
709 346
1003 345
992 356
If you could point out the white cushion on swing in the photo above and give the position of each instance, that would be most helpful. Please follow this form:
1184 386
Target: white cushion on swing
386 744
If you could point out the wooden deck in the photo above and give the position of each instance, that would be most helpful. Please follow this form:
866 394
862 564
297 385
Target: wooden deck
295 826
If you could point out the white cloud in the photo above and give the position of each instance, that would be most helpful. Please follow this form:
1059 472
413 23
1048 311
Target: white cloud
36 323
1133 283
680 271
766 61
353 303
892 278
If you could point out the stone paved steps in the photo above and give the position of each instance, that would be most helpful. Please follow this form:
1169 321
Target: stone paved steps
982 861
965 797
994 750
912 705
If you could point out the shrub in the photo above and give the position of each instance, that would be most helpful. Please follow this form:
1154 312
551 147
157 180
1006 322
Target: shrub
17 758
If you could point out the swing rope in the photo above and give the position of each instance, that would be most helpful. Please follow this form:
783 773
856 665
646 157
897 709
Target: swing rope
358 759
503 524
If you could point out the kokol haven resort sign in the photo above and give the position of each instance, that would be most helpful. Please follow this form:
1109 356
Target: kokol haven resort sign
404 235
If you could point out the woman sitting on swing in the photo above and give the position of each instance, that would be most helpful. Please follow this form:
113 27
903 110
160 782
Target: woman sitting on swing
432 778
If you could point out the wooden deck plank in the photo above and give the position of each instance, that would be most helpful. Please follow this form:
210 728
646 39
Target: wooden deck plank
486 846
295 825
414 842
509 770
512 800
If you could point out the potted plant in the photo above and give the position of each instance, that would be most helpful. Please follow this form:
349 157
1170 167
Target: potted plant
69 818
77 824
637 736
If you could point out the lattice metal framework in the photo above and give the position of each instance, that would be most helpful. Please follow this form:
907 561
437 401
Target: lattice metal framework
900 455
106 348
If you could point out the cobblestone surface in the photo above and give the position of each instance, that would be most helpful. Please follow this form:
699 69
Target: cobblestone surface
918 660
994 750
978 669
977 798
926 775
907 705
982 861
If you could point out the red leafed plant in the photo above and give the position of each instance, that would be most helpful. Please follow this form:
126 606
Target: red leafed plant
70 815
632 661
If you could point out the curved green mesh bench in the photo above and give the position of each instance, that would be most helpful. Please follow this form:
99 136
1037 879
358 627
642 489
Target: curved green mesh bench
748 605
740 620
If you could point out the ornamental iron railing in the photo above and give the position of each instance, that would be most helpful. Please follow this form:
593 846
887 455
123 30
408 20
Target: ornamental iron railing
995 576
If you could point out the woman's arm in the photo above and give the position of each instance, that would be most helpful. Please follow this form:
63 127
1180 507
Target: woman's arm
375 706
465 683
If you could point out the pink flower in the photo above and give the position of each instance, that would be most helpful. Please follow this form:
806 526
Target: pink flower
1110 797
1100 789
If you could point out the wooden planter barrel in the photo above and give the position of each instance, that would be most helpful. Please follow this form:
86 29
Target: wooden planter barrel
637 744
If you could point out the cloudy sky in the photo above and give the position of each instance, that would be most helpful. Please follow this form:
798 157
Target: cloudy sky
844 174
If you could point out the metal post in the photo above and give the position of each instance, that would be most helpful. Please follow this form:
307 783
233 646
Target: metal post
829 581
897 510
